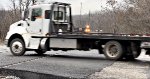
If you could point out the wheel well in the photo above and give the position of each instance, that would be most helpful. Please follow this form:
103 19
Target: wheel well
13 37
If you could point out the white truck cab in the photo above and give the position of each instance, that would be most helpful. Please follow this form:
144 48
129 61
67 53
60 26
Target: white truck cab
39 20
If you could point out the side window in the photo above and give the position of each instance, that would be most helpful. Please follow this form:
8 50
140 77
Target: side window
47 14
37 12
58 15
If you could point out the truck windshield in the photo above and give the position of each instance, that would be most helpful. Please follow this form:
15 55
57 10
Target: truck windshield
37 12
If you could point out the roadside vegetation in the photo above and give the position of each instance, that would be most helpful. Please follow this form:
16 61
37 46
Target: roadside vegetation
130 16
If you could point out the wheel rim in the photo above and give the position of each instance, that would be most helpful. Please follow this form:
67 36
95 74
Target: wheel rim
112 51
17 47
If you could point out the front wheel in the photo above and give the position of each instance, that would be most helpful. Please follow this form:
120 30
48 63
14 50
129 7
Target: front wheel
17 47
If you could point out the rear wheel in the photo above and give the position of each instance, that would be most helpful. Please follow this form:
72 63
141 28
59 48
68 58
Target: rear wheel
133 52
17 47
113 50
132 57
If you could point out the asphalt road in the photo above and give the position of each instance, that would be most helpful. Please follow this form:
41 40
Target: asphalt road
76 64
71 64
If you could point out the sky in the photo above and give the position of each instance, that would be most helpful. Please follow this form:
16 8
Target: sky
4 3
87 5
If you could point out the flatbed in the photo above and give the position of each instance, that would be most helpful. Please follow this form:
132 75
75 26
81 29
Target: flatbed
99 36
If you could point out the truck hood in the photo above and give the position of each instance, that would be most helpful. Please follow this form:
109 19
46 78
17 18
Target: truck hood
19 27
17 24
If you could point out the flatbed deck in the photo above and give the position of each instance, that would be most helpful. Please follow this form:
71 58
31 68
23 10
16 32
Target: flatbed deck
99 36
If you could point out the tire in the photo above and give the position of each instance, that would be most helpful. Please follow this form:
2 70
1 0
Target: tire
40 52
132 57
132 54
17 47
138 51
113 50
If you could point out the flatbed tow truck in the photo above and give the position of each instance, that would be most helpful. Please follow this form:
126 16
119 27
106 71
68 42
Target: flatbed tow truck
49 26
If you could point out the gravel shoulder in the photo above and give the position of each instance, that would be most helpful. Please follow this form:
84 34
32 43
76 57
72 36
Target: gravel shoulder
8 77
138 69
123 70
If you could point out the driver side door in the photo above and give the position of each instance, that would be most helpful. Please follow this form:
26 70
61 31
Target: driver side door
35 21
35 24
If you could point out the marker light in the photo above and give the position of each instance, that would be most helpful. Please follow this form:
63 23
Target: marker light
87 29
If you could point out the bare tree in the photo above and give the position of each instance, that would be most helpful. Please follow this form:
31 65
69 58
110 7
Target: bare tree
131 17
14 6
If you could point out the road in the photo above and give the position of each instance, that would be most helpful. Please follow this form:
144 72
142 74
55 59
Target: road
75 64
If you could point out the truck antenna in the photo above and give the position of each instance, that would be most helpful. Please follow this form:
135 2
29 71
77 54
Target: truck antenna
81 14
89 17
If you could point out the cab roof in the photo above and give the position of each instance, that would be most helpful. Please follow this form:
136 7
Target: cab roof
36 5
57 3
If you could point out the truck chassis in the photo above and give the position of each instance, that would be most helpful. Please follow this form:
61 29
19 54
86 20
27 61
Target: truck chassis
114 46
